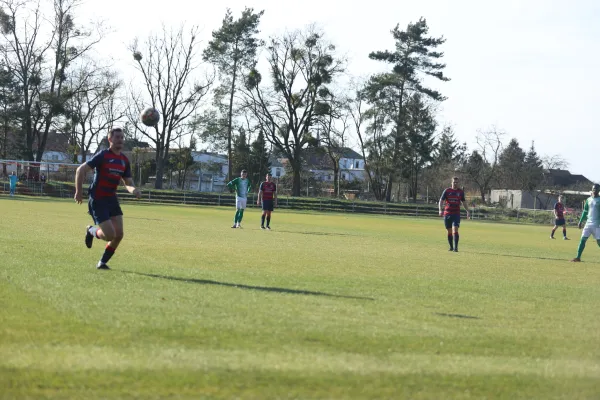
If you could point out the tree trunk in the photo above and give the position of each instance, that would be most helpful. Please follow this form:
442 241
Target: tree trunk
230 122
160 168
297 181
482 191
336 179
388 189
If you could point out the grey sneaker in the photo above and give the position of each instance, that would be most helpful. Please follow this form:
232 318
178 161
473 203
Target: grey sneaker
102 265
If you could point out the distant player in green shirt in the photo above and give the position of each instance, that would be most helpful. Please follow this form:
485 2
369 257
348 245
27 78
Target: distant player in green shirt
242 187
591 213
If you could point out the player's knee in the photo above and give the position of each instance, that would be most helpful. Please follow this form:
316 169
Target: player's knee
119 235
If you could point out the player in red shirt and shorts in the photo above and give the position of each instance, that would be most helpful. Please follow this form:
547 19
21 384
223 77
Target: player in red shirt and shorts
452 198
267 194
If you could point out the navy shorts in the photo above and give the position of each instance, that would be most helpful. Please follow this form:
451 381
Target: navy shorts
267 205
559 222
452 220
103 209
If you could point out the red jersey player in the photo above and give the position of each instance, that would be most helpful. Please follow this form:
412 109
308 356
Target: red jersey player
451 200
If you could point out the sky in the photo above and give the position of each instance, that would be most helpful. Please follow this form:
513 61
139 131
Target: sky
529 68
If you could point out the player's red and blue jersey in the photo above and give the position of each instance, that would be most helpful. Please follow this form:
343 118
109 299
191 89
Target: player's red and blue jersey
268 189
453 198
559 208
110 168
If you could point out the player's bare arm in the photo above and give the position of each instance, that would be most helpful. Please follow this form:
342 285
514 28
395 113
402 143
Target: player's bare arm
464 203
130 186
80 175
259 199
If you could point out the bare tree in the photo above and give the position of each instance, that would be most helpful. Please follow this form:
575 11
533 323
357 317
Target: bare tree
482 165
301 64
168 63
369 127
554 162
94 107
333 122
40 60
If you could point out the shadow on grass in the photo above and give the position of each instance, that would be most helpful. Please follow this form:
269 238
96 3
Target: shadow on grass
317 233
526 257
457 316
248 287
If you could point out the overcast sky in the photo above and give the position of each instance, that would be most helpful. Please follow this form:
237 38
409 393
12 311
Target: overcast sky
530 67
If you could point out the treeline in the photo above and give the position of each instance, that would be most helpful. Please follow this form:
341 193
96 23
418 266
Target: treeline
222 96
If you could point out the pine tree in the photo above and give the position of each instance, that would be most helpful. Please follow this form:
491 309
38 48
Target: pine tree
533 170
259 164
233 50
240 157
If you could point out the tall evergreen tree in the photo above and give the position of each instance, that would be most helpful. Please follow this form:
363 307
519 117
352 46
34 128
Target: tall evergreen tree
419 146
511 164
414 55
233 50
533 170
240 157
449 151
258 163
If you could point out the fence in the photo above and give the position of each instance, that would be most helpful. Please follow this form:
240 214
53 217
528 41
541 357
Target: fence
153 196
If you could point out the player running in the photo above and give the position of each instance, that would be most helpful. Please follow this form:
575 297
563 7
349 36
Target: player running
242 187
559 218
111 167
452 199
591 213
267 193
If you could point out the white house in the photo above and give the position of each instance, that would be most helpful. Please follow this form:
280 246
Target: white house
212 174
351 165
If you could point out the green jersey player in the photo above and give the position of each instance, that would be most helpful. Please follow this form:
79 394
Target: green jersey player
242 187
591 214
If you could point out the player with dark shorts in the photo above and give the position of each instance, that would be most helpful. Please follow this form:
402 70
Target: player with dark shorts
111 167
452 199
559 218
267 194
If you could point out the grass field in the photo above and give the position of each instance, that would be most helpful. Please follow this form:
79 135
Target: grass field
324 306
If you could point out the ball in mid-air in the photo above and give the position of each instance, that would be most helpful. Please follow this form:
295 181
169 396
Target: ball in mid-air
150 116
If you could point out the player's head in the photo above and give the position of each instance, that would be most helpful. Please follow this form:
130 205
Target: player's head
268 177
595 189
455 182
244 174
116 138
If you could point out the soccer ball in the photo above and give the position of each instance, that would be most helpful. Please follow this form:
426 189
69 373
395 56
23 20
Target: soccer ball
150 116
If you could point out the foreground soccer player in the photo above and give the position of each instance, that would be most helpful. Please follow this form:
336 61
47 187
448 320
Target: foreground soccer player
267 193
242 188
111 166
591 213
559 218
452 199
